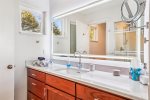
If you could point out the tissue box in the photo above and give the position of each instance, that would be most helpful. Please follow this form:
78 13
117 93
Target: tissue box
135 73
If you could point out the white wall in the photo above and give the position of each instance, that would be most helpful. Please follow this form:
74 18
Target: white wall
82 37
27 48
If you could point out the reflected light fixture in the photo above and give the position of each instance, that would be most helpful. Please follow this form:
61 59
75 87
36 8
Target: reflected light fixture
84 7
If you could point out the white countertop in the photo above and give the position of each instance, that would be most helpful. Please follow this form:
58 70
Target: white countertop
120 85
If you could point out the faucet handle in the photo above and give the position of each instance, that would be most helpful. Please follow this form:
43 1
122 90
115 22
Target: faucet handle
77 52
51 61
84 52
79 65
92 67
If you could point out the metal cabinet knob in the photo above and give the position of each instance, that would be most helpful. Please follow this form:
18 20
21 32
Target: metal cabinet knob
9 66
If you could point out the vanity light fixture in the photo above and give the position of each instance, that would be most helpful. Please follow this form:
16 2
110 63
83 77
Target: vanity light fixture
87 6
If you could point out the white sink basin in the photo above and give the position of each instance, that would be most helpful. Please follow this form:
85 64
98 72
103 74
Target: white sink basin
55 67
72 71
121 82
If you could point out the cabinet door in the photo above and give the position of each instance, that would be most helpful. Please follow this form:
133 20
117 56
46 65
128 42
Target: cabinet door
61 84
32 97
54 94
87 93
36 87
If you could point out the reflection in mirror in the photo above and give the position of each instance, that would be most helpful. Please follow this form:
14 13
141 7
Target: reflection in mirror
98 31
126 40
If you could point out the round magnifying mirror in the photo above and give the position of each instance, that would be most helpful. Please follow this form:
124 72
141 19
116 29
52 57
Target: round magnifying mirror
129 10
142 4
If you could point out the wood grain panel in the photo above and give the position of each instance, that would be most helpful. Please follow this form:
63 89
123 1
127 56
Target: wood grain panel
36 87
36 75
87 93
32 97
54 94
61 84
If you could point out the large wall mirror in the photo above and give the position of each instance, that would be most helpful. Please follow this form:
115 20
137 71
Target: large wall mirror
100 32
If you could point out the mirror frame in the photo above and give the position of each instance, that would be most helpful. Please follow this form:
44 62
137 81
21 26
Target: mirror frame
84 7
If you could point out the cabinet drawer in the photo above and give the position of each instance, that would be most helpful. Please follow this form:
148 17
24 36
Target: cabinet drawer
87 93
54 94
36 75
32 97
61 84
36 87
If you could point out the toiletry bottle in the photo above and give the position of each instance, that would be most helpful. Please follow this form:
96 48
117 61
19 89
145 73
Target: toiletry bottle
144 77
144 69
135 69
69 63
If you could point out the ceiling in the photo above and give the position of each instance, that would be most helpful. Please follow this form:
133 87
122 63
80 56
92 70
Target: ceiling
102 7
60 6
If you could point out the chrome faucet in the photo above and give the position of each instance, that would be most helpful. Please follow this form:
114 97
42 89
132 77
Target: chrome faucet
80 57
79 63
84 52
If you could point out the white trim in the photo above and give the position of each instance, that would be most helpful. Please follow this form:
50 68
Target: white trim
148 3
98 56
123 32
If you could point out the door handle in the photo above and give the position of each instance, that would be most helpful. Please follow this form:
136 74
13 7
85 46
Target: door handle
9 66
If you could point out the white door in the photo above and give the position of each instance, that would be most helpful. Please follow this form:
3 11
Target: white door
7 35
82 37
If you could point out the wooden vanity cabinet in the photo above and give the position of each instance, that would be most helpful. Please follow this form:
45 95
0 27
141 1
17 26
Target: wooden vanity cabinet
36 85
42 86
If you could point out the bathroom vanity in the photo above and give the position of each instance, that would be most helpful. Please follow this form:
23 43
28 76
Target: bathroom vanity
53 84
105 38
